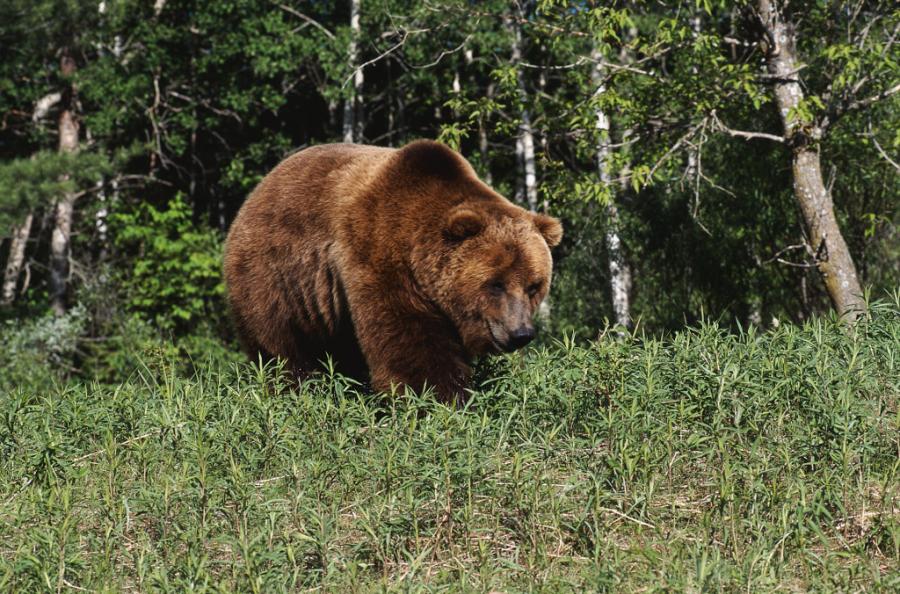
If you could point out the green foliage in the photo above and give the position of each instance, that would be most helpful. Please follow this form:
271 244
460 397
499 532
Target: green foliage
40 351
117 340
173 276
709 461
44 178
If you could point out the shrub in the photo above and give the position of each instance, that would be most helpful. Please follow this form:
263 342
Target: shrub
173 275
39 351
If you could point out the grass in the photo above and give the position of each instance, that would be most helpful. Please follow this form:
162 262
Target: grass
703 462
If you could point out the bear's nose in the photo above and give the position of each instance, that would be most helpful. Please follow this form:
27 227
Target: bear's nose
520 337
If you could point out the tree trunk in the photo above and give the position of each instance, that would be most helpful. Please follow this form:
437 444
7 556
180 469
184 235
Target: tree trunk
483 150
483 142
65 208
100 218
352 116
391 91
526 135
332 113
526 189
692 173
531 193
519 195
619 271
15 260
826 241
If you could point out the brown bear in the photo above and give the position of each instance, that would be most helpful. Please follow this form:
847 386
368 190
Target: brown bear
400 264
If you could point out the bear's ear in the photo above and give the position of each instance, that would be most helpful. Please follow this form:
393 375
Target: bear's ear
463 223
549 228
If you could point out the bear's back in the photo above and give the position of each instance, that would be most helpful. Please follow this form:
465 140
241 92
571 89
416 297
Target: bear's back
278 254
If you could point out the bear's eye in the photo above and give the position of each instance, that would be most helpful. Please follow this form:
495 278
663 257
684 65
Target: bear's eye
533 289
497 287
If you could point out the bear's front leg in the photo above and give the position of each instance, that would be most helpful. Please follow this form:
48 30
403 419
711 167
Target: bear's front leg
407 348
419 361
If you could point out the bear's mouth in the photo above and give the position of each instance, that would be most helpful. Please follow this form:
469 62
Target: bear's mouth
498 344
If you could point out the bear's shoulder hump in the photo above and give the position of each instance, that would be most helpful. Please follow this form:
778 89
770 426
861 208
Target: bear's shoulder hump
432 159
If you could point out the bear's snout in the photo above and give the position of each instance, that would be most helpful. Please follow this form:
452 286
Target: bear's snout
507 340
512 328
520 337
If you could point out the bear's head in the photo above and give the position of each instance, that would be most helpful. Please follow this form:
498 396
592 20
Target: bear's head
483 261
496 272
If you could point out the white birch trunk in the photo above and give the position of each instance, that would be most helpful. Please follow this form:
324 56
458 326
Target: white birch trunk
43 105
483 149
827 244
619 271
519 196
456 88
65 207
100 219
15 260
483 142
693 166
352 116
526 190
525 139
531 193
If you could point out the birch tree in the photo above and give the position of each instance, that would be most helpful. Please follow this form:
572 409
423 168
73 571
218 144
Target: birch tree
15 260
619 271
32 183
718 75
21 232
353 124
64 210
525 137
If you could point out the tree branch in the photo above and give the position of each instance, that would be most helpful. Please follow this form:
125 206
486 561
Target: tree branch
443 53
835 113
881 150
718 125
308 19
873 99
383 54
684 138
44 104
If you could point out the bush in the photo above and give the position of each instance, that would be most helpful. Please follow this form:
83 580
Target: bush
172 275
39 351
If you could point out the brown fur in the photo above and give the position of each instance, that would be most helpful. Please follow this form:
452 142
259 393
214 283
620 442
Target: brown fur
389 260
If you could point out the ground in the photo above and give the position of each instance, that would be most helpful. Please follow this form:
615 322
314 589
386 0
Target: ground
705 461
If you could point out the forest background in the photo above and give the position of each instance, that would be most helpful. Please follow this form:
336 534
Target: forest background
735 161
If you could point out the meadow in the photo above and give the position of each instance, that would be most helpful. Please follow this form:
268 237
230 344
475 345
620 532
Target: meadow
704 461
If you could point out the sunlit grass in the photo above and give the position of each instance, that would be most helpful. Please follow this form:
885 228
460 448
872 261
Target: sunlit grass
704 462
